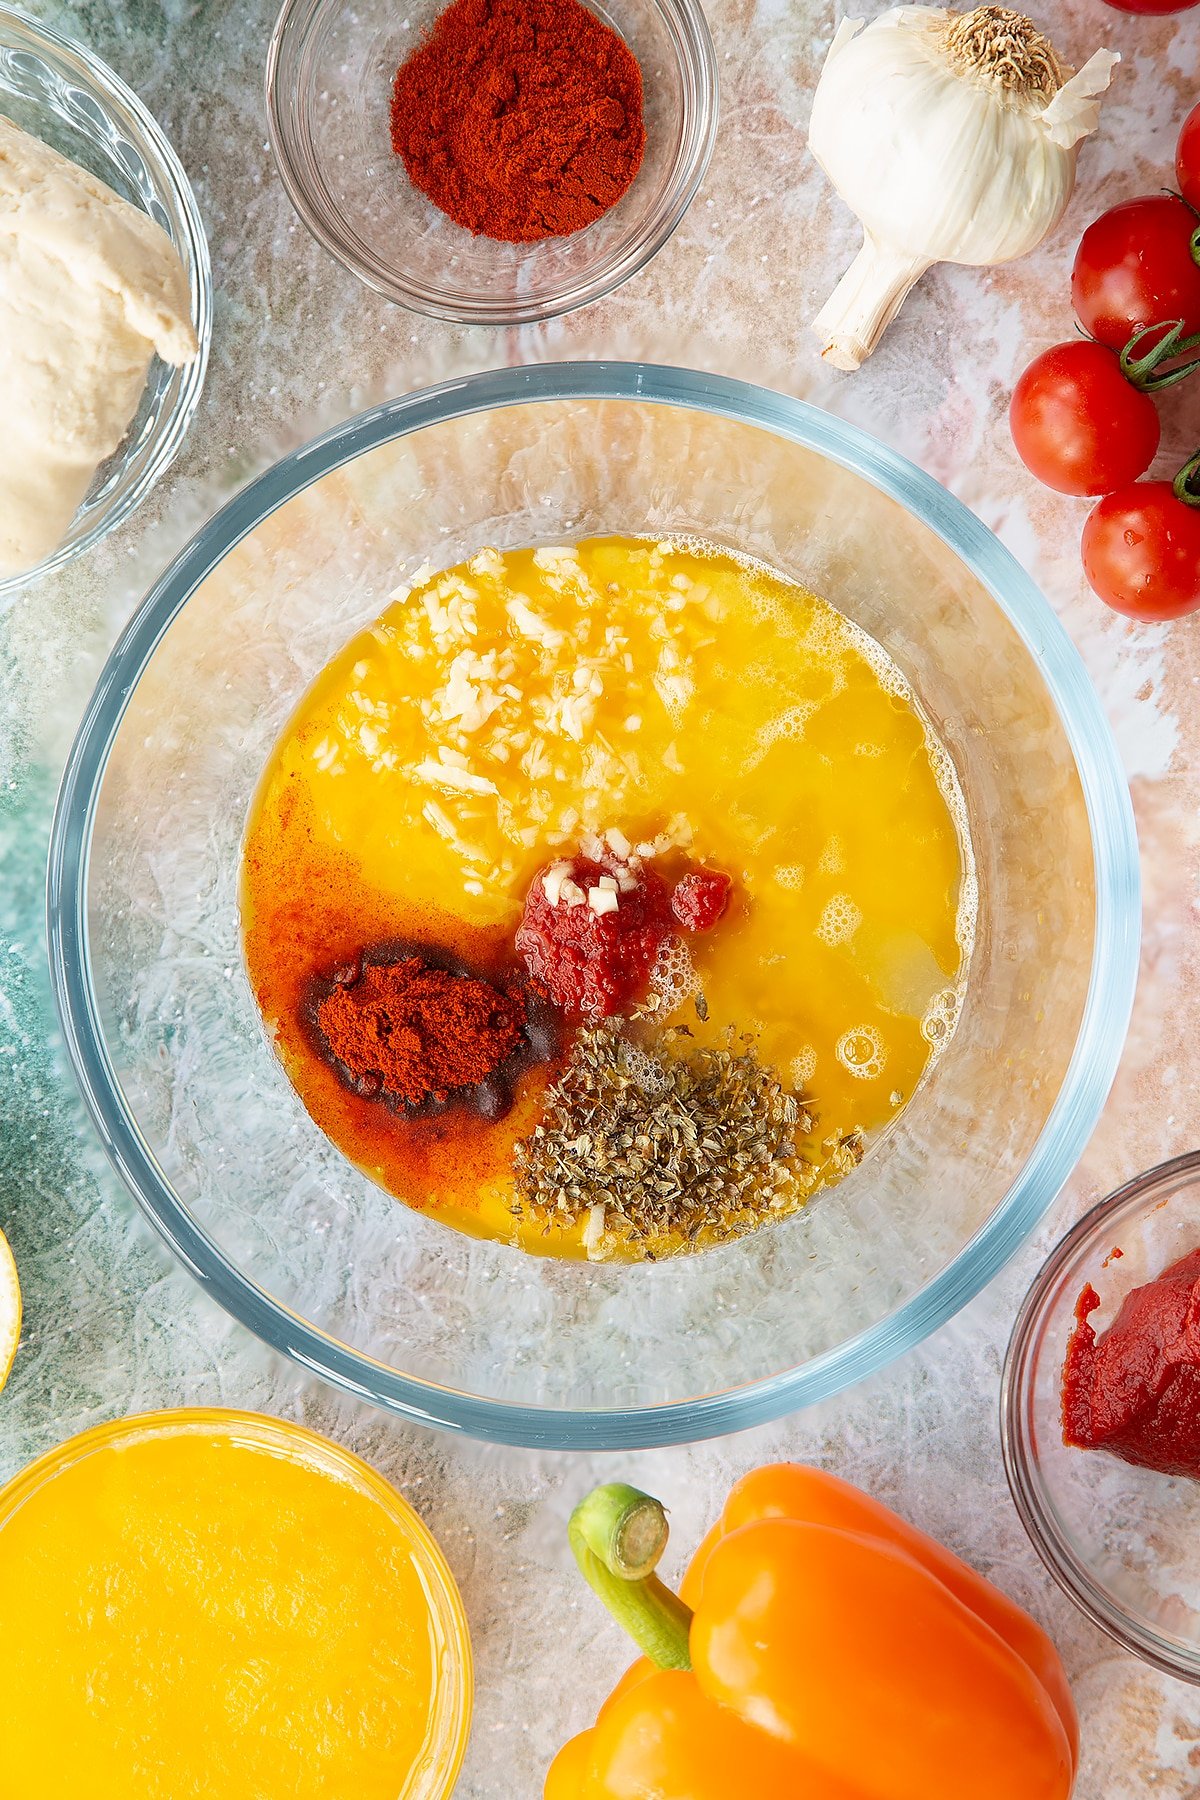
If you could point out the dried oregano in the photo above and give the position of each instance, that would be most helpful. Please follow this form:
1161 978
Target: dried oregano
666 1147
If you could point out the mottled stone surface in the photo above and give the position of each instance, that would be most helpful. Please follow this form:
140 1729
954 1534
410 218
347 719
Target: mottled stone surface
113 1325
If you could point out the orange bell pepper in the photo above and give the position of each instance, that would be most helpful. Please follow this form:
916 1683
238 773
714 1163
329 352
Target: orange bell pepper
820 1649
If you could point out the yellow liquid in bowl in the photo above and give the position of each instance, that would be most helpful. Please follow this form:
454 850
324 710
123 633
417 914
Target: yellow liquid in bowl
223 1605
498 713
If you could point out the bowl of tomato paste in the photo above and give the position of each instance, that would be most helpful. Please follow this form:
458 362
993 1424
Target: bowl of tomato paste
1101 1415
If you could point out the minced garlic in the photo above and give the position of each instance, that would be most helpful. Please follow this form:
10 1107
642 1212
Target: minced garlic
523 661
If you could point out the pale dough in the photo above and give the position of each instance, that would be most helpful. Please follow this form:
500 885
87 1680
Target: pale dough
90 289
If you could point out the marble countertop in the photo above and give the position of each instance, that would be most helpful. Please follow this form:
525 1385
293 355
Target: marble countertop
112 1324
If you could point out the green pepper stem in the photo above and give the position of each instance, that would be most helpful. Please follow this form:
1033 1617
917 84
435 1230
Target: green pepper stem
1187 482
618 1535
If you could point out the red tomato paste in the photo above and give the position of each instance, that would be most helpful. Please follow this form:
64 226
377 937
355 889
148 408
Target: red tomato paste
699 899
1135 1390
593 928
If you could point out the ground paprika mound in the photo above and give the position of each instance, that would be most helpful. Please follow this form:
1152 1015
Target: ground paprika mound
520 119
410 1033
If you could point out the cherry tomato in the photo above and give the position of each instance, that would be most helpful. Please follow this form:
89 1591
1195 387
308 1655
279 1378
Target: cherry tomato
1141 551
1135 266
1153 6
1187 159
1078 425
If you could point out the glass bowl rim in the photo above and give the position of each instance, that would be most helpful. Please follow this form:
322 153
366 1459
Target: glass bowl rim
1068 1570
271 1429
1102 1028
697 60
172 426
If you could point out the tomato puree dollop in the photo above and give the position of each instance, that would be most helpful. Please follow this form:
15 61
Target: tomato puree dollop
700 898
593 928
1135 1390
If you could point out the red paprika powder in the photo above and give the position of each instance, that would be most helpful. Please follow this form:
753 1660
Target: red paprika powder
520 119
409 1033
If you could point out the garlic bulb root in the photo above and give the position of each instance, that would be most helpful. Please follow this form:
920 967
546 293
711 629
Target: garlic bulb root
1003 48
954 138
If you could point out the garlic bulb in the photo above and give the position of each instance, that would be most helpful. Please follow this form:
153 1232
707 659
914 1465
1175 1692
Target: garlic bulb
954 137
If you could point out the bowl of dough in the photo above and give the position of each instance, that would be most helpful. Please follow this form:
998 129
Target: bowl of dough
105 301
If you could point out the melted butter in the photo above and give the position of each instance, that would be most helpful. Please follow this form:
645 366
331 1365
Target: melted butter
499 712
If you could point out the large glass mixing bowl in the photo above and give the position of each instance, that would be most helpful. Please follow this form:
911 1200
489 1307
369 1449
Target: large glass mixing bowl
200 1118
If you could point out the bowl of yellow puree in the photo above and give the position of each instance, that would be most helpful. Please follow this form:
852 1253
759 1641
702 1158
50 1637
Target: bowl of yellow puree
594 905
211 1602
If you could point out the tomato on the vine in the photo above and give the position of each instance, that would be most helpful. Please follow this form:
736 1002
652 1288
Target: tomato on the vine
1187 159
1137 265
1141 548
1078 424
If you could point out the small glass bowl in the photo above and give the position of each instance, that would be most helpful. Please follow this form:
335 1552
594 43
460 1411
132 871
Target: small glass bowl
61 93
330 70
1121 1541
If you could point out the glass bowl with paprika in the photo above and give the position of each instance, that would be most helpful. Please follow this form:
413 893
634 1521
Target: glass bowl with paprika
495 162
1100 1415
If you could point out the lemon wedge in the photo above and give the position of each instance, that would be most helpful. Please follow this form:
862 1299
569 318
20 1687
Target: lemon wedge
10 1309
